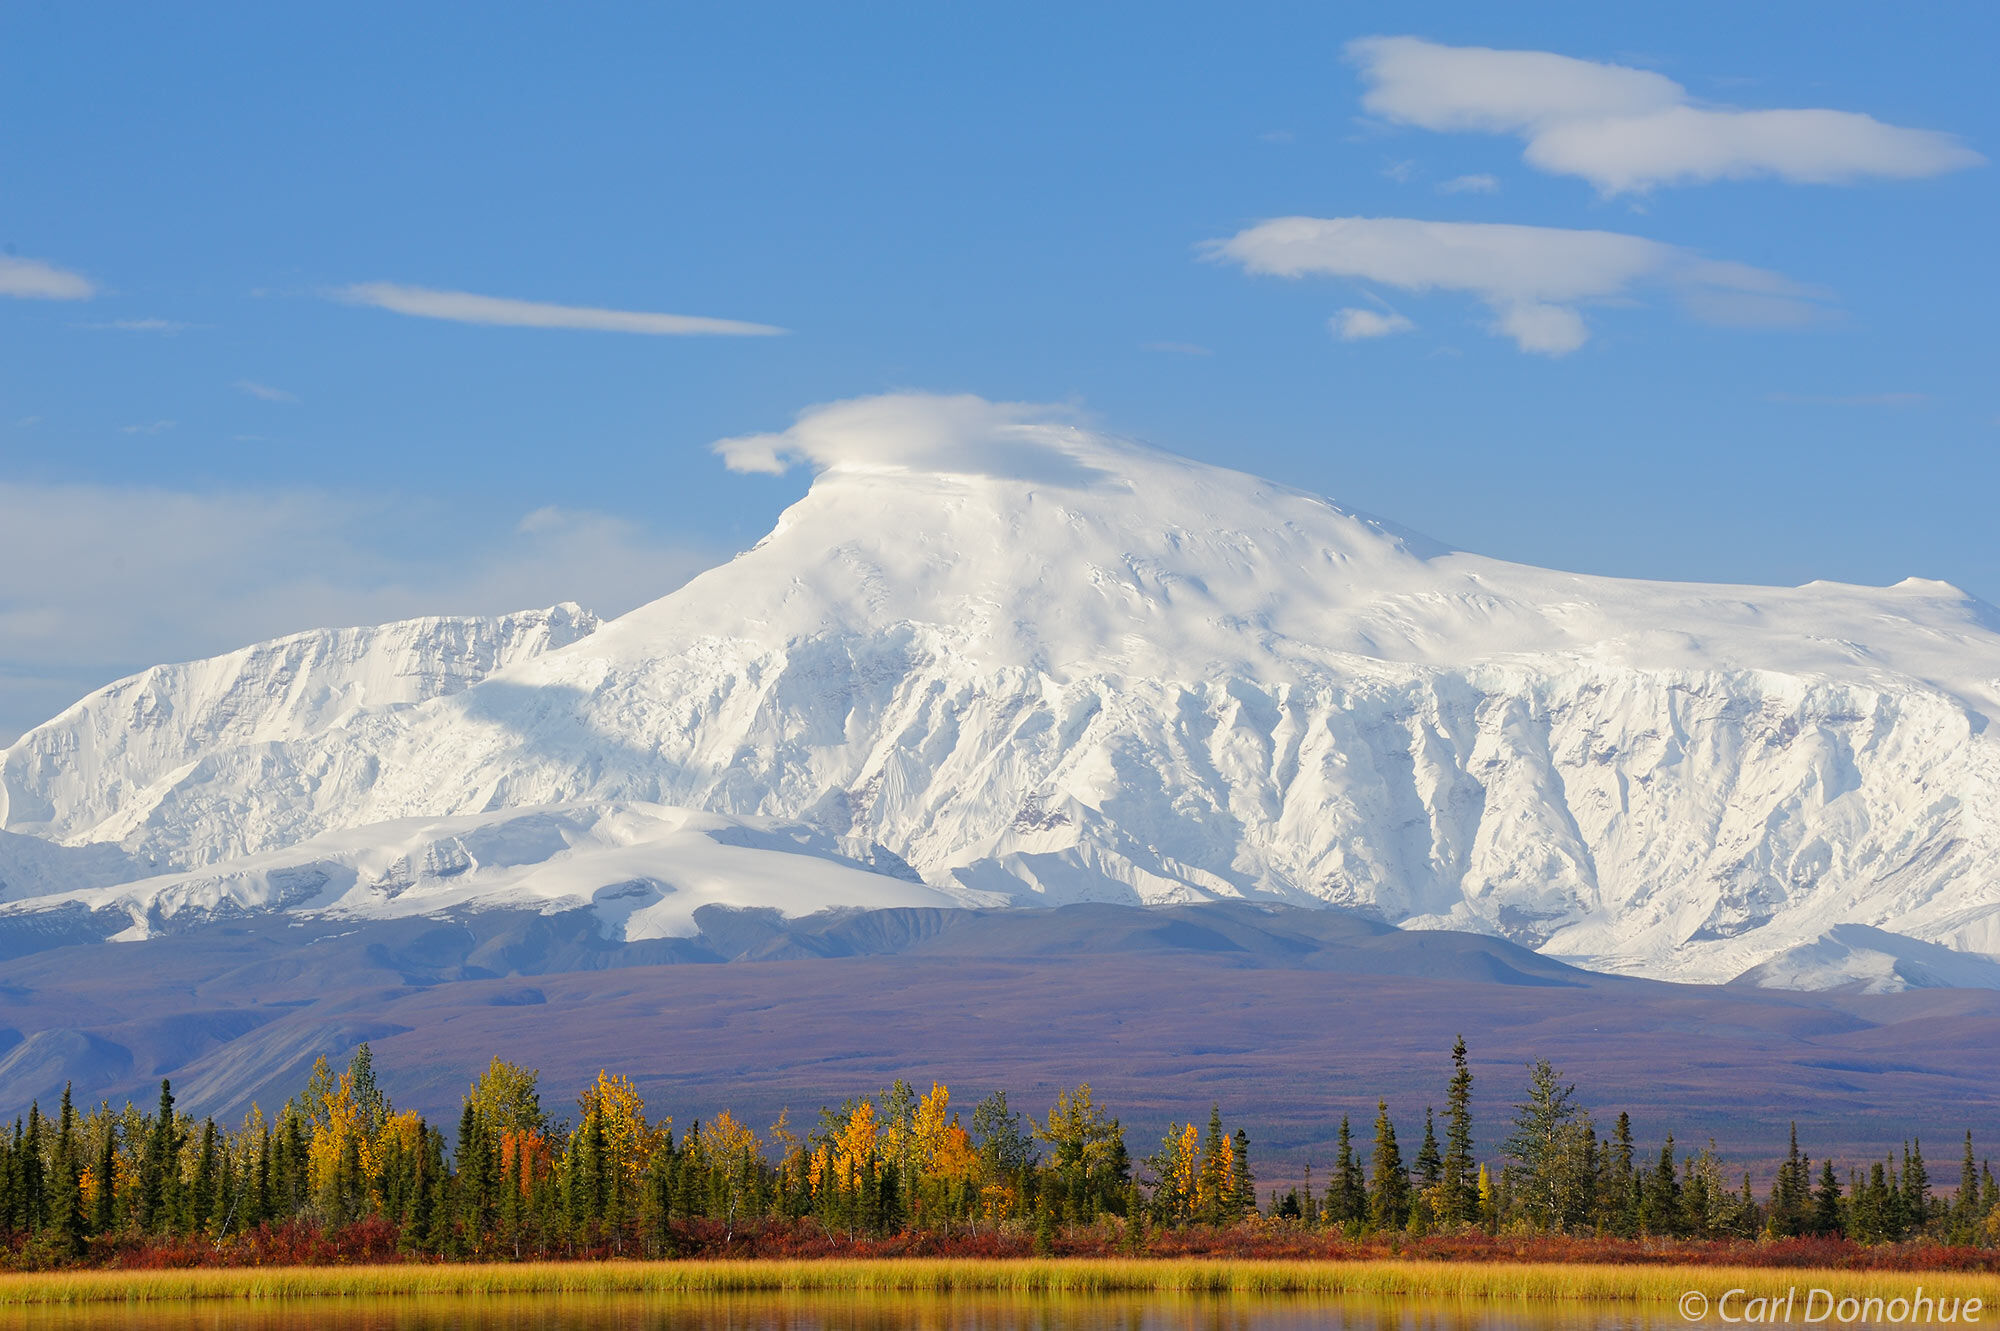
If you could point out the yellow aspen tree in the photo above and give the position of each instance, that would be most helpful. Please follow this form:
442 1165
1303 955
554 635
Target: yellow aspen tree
1187 1172
628 1139
932 1119
1224 1178
124 1182
997 1201
928 1126
856 1145
336 1120
733 1151
822 1176
794 1167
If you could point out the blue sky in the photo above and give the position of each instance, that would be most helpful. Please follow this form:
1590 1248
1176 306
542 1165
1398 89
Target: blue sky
216 425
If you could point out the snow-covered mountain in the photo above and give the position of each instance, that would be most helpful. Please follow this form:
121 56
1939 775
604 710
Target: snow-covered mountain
1022 661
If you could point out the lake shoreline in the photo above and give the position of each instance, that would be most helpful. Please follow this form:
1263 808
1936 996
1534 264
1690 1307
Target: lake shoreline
1490 1281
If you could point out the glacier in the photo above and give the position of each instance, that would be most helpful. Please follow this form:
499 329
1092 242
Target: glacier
994 656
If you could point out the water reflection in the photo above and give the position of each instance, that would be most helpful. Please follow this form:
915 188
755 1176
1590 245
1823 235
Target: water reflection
851 1312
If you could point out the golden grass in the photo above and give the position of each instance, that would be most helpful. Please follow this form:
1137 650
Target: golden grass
1486 1281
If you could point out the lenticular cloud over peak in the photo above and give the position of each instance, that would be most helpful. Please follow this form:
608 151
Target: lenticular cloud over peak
958 434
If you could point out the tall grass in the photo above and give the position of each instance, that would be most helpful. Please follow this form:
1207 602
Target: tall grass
1486 1281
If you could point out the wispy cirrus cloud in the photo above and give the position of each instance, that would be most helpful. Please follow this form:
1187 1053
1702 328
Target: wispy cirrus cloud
266 393
1360 325
1629 130
34 279
1478 184
147 427
470 308
1534 280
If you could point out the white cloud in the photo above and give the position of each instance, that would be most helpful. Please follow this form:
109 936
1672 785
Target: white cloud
149 427
31 279
1550 330
265 392
1479 184
1355 325
1531 278
96 581
465 307
1628 130
963 434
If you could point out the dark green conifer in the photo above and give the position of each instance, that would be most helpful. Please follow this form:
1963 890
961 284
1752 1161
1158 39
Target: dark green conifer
201 1191
1916 1187
1826 1219
1388 1183
159 1167
1660 1206
1965 1206
1244 1184
66 1219
1346 1194
33 1180
1460 1174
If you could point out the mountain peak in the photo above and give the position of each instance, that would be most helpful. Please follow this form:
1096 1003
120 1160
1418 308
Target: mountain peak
1029 661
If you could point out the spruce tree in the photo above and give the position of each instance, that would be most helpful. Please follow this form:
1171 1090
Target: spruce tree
1388 1184
160 1168
201 1192
257 1191
1916 1187
1546 1142
1346 1197
1426 1174
1826 1203
368 1097
32 1185
350 1185
1460 1193
66 1219
289 1179
1244 1183
1660 1206
1214 1189
1870 1223
1791 1193
1619 1205
1964 1206
10 1165
1429 1164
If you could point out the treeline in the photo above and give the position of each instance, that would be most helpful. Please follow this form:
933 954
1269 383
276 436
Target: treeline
1558 1175
513 1181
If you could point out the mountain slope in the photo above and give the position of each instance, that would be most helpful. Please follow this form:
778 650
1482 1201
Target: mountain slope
1040 664
91 773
